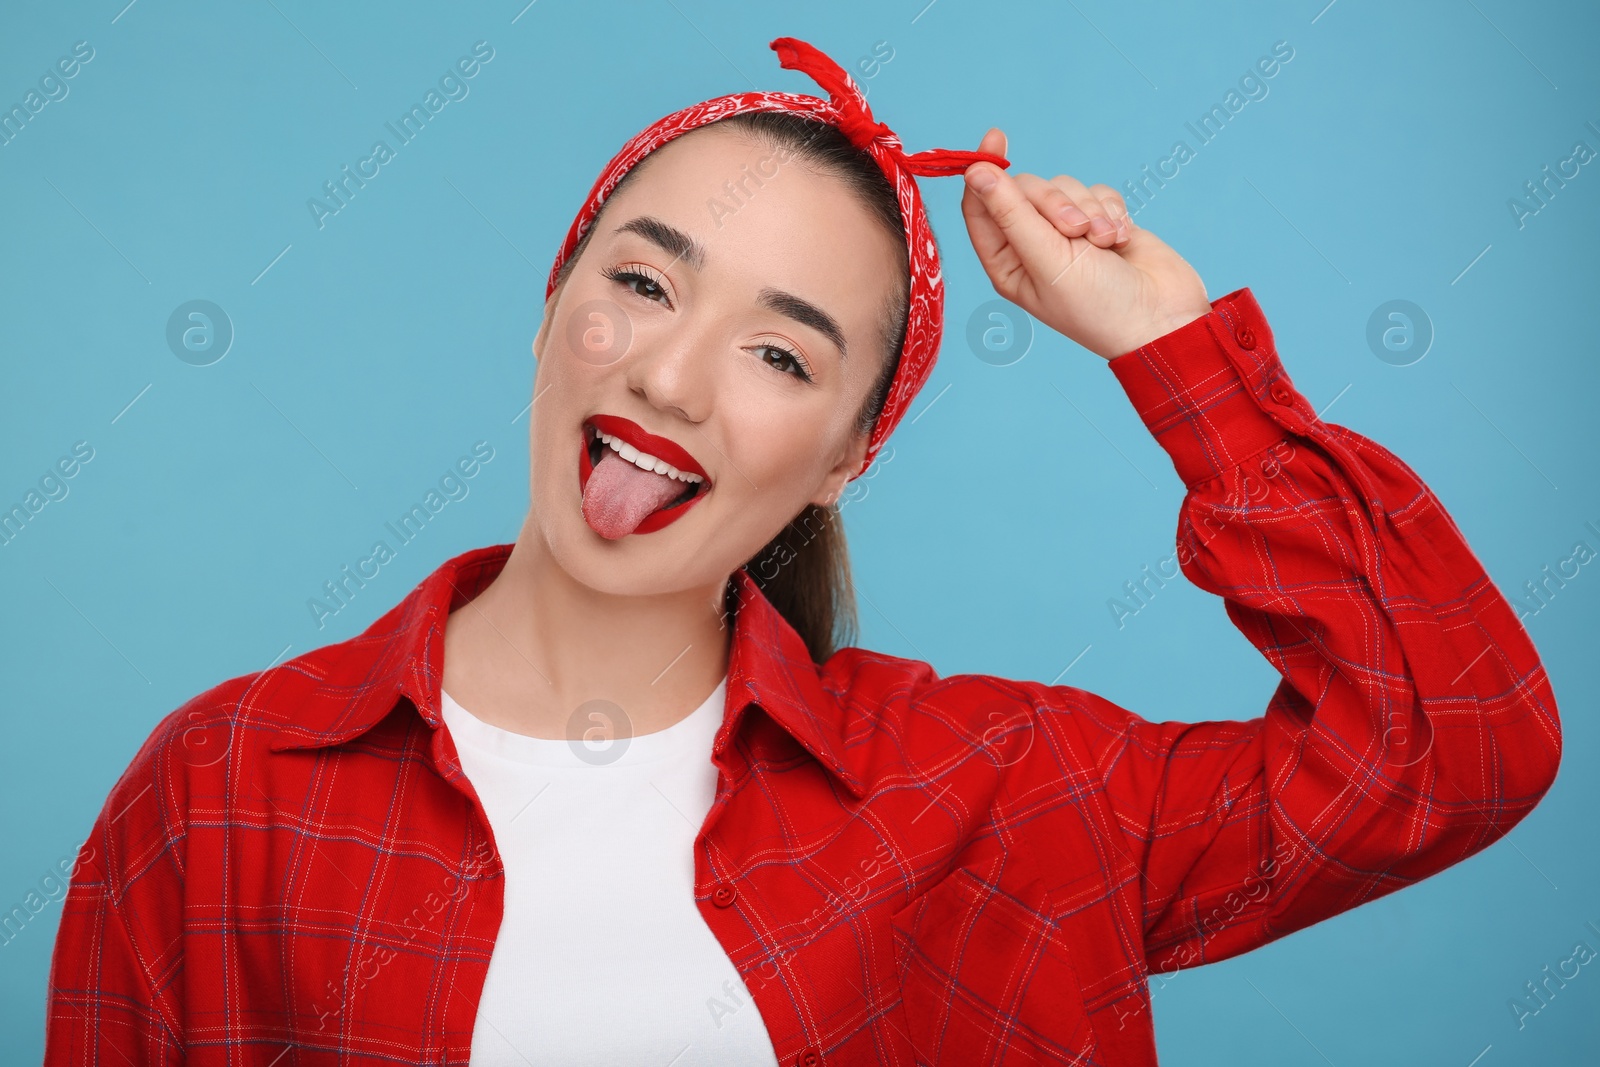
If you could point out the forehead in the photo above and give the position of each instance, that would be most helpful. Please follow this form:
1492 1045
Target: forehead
764 217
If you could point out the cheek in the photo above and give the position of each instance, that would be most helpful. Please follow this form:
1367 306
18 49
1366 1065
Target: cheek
559 389
567 378
779 455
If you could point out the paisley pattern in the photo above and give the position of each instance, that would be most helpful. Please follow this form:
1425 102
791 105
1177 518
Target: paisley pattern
847 109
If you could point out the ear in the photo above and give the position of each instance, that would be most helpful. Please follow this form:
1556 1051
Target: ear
833 484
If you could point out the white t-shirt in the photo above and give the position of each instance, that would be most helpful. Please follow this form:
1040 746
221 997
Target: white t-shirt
602 956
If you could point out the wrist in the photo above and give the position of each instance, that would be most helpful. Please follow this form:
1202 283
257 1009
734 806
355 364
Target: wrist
1213 392
1155 331
1178 321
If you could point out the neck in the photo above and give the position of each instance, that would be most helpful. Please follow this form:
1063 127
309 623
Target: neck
537 644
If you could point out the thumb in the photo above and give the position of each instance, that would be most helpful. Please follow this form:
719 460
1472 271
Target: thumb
1037 243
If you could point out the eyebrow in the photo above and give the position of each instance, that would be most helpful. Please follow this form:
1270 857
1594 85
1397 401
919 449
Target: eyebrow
681 246
806 313
668 238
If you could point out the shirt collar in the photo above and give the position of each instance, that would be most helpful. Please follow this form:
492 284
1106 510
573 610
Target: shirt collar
401 655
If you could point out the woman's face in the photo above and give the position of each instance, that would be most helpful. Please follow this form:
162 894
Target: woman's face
731 303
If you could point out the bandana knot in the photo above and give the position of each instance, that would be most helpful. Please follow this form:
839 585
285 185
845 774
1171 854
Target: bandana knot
855 117
863 130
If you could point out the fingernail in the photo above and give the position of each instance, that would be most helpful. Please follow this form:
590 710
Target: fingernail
981 178
1072 215
1101 227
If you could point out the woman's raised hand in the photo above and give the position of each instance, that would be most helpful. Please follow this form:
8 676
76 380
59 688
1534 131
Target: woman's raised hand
1072 257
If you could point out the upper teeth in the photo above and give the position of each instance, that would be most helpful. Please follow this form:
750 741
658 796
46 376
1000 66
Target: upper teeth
645 461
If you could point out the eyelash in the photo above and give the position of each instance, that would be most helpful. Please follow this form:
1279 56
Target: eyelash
799 365
629 277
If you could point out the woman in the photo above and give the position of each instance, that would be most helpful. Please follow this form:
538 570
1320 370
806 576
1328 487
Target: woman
622 793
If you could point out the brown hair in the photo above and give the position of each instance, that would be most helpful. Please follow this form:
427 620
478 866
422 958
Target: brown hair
805 569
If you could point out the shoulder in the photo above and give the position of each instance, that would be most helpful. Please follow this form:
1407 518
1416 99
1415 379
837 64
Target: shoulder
857 674
893 690
1020 720
203 730
216 737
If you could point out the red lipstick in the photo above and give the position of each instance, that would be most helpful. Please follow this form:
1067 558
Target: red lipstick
639 438
644 441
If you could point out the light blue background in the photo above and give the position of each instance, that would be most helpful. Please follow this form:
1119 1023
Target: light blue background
377 349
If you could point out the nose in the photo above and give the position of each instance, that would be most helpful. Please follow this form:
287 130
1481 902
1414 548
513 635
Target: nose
674 368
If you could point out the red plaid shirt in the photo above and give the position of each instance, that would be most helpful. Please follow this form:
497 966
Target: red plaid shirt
904 868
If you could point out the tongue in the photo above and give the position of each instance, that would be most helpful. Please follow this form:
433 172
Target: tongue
619 495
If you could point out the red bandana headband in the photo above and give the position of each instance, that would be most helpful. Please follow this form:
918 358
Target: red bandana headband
847 109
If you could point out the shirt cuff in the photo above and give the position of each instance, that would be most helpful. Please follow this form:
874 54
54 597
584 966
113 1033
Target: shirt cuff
1213 392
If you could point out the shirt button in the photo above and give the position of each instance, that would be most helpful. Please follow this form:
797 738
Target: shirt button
723 894
1282 395
808 1057
1245 336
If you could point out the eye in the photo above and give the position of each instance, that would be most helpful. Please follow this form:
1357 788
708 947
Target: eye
784 360
639 283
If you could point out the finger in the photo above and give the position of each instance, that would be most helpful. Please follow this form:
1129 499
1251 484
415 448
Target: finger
1042 250
1086 201
1099 226
1073 188
1070 215
1103 235
987 238
1116 209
